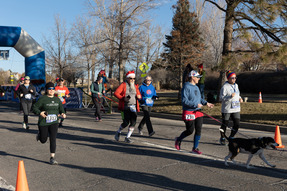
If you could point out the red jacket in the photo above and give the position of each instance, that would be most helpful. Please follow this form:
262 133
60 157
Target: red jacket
120 93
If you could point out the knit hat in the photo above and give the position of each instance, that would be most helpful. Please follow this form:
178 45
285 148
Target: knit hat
195 74
130 74
49 85
229 74
200 66
22 79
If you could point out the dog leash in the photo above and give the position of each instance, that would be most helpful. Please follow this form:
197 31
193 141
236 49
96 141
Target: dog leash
222 124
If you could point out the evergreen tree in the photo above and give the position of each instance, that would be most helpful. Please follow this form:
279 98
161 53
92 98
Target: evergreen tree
184 45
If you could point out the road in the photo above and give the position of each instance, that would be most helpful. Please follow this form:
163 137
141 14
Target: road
90 159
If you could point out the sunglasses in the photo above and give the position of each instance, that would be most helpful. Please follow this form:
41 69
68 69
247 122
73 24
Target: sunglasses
233 78
148 80
51 88
132 78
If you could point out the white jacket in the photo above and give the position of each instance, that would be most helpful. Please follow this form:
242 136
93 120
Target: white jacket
230 104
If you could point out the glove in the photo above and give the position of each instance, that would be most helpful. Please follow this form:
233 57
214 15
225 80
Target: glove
141 101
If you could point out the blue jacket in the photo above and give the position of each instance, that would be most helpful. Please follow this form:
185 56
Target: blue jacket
148 93
191 97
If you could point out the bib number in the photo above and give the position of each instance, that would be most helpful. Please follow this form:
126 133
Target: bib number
235 104
149 101
133 108
28 96
51 118
189 117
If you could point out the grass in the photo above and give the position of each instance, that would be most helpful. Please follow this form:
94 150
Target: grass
273 113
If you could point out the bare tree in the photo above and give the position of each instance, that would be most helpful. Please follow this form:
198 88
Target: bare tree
120 19
57 47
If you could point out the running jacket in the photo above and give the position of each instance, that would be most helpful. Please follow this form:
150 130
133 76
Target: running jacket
53 106
147 92
120 93
27 95
229 104
191 97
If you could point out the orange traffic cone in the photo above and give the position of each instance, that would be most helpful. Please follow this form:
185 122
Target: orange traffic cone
260 98
21 183
277 137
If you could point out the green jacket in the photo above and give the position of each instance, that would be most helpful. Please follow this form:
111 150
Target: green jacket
201 81
53 106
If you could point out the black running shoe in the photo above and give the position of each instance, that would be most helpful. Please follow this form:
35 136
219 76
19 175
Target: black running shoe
53 161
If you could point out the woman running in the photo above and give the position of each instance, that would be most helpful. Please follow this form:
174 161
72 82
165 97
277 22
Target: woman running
49 108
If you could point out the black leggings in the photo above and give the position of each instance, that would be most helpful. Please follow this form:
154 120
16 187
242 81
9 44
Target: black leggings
225 121
52 131
98 103
26 105
130 118
190 126
146 119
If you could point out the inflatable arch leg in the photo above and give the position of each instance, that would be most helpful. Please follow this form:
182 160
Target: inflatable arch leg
34 54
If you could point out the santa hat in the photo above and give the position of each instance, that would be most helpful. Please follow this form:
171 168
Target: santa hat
130 74
229 74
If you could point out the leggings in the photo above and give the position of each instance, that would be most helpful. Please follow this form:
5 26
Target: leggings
236 121
130 118
26 105
98 103
190 126
52 131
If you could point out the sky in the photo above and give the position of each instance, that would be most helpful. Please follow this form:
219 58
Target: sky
36 17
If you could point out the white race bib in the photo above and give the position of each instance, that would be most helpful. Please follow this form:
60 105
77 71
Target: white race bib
133 108
51 118
235 104
28 96
149 101
189 117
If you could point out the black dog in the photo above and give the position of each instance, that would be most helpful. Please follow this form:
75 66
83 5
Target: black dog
252 146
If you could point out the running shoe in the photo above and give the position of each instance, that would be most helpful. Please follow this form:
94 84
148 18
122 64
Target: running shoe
151 134
24 125
117 136
177 143
140 132
222 141
128 140
53 161
196 151
27 126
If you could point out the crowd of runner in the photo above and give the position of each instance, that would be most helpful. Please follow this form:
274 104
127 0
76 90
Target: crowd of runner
51 107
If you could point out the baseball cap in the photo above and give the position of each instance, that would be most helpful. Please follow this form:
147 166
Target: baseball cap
195 74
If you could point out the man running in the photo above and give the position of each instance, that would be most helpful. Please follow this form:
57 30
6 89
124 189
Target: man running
128 94
62 92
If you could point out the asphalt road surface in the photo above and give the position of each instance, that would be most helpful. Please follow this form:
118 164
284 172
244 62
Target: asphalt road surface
90 159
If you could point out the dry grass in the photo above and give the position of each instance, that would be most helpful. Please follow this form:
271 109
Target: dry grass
265 113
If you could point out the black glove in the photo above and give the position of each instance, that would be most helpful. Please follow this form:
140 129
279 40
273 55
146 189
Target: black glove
141 101
155 97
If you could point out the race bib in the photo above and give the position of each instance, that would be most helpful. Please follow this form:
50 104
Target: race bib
149 101
28 96
235 104
133 108
189 117
51 118
61 98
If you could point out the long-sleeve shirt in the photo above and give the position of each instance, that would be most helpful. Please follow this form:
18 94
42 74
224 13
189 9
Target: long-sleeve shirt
230 104
53 106
191 97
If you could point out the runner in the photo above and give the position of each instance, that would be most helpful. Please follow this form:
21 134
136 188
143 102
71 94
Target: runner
148 96
191 115
26 92
62 92
98 89
49 108
128 95
16 88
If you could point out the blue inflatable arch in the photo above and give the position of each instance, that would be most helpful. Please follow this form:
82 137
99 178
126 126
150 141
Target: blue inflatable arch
34 54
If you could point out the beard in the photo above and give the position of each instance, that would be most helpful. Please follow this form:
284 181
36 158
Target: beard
132 86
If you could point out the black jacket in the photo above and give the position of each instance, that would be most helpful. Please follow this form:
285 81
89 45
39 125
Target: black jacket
23 90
